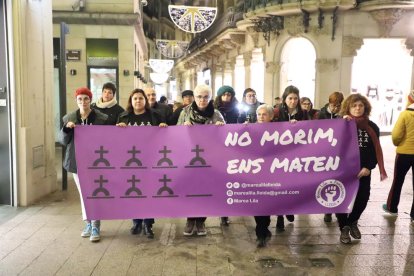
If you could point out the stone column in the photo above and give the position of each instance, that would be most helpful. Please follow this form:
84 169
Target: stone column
228 73
349 46
218 76
271 81
247 63
257 72
409 43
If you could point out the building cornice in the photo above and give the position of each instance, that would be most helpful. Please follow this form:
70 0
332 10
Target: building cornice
86 18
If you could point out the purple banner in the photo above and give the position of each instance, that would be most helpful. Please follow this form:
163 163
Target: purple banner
207 170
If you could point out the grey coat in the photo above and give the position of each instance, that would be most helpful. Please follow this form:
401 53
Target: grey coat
66 136
185 116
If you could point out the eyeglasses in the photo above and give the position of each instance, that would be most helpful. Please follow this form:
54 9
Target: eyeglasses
199 97
85 99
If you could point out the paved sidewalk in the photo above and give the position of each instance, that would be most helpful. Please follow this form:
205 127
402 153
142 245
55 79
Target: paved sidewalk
44 239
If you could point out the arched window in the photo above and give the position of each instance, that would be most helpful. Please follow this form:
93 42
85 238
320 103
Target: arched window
382 71
298 67
239 75
257 73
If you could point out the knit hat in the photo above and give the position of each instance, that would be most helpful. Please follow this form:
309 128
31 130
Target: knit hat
224 89
83 91
187 93
411 97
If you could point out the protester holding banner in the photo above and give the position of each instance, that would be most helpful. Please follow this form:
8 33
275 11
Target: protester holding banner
164 110
306 104
84 115
332 108
139 113
289 111
226 103
264 115
357 107
200 112
188 98
403 139
248 107
331 111
107 103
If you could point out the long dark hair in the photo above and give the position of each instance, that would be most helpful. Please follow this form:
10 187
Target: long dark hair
129 107
291 90
218 102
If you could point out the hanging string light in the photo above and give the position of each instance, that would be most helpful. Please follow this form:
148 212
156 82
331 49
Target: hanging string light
192 19
172 48
159 78
161 65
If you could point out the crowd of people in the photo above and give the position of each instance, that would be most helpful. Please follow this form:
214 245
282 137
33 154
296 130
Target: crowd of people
198 107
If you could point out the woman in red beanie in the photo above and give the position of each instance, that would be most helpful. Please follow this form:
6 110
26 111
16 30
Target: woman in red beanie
84 115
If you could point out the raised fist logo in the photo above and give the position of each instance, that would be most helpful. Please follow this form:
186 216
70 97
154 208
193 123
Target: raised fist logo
330 193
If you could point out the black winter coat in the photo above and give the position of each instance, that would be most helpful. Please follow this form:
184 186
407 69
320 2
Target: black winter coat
230 114
367 154
325 114
112 112
282 115
155 118
250 114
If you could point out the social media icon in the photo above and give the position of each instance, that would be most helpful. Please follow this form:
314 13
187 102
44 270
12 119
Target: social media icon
229 185
236 185
229 192
229 201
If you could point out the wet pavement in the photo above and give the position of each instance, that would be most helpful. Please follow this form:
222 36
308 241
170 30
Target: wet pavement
44 239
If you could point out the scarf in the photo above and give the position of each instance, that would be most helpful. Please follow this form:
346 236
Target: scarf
200 117
101 104
227 107
363 123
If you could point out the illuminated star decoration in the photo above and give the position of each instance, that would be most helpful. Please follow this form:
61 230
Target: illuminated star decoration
161 65
172 48
192 19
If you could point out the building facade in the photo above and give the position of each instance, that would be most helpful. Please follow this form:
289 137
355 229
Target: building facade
321 46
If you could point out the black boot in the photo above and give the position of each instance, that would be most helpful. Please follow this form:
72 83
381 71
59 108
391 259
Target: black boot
327 218
280 224
136 229
261 242
224 221
148 231
290 218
